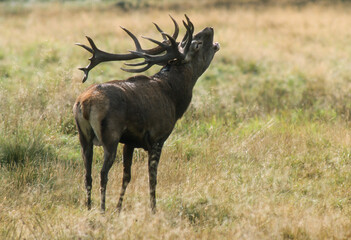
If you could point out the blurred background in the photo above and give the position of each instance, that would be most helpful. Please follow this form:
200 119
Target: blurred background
263 151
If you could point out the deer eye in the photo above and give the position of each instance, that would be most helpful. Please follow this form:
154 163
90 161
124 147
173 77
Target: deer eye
198 45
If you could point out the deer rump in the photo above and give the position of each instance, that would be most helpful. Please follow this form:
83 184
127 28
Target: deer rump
138 104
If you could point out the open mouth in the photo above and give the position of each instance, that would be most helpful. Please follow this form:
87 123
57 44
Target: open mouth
216 46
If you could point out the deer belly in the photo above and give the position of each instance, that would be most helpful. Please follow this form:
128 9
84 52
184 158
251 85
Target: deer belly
136 140
96 142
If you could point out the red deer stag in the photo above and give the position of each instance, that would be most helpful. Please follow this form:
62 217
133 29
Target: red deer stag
141 111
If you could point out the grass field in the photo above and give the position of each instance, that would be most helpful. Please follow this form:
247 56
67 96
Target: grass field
264 151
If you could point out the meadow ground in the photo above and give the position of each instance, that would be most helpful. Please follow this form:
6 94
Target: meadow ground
264 151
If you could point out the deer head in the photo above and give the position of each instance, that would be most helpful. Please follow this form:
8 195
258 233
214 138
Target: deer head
201 51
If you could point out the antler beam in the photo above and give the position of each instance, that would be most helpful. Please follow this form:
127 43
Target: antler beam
100 56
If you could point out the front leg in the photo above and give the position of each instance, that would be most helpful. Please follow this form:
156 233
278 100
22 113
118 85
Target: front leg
127 163
154 157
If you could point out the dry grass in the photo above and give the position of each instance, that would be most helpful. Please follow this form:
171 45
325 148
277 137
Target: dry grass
263 152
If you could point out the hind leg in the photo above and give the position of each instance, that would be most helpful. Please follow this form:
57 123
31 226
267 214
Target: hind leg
109 158
87 155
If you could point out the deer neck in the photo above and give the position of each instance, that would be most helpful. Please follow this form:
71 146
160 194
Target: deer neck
181 81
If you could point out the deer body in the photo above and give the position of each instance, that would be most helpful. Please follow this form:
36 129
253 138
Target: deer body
139 112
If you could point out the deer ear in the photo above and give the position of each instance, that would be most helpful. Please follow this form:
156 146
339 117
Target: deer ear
194 47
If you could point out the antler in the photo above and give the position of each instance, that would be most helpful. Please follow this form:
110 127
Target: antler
172 51
151 56
188 37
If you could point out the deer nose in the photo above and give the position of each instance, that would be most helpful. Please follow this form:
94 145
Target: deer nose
208 30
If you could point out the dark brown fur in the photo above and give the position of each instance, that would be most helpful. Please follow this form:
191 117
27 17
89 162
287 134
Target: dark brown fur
140 112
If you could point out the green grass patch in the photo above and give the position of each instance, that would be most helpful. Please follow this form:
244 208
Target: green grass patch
21 147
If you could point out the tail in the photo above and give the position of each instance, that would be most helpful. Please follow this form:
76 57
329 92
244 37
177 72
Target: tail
81 116
88 128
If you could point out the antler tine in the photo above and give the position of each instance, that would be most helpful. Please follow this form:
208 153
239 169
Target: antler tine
86 73
85 47
173 42
135 64
92 44
136 42
160 30
176 28
137 70
157 42
93 60
175 34
160 49
189 25
186 44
